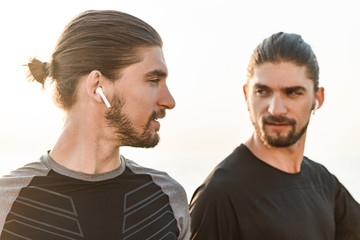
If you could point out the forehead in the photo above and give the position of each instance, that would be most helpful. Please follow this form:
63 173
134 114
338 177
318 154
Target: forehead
152 59
280 75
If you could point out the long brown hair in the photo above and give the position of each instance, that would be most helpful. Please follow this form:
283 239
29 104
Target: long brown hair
285 47
102 40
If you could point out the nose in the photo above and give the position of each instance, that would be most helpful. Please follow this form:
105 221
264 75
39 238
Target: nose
166 100
277 106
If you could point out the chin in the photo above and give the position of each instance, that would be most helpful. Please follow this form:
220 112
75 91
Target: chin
149 142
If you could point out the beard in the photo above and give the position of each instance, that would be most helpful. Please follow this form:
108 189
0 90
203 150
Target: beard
279 141
125 131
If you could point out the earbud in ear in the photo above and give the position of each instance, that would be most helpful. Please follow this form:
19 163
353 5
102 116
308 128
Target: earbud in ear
101 93
316 106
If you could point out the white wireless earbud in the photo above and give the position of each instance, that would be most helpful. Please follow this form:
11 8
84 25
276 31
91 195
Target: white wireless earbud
101 93
316 106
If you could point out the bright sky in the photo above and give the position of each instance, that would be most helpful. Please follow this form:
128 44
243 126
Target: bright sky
207 45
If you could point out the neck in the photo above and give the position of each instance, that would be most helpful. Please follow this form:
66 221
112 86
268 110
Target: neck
83 147
287 159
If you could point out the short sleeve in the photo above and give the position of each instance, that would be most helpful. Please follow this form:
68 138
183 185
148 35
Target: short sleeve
213 215
347 215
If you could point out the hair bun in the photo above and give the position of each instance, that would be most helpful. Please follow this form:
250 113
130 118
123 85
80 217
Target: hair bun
38 71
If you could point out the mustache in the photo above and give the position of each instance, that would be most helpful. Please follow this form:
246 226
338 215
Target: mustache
159 114
278 119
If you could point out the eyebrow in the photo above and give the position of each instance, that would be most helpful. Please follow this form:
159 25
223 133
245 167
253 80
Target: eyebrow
156 73
285 89
262 86
294 89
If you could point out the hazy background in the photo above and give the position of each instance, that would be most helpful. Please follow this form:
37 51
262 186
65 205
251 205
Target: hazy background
207 45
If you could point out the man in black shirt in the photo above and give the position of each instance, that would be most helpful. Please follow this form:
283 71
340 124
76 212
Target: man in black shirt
266 188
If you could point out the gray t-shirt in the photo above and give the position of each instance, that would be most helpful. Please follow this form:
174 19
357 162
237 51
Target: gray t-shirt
44 200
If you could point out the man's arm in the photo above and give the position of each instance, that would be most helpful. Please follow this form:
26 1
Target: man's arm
212 215
347 215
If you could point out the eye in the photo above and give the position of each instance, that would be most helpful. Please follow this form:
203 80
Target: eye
294 92
155 81
261 91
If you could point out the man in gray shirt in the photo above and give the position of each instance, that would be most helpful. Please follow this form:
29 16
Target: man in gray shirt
110 79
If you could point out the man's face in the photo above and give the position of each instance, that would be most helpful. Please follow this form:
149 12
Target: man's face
140 98
280 99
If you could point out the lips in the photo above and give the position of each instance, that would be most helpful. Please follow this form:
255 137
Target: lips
156 124
278 120
155 116
278 126
278 123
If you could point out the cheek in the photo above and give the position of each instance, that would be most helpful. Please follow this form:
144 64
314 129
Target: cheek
138 110
301 113
306 113
140 102
257 107
305 107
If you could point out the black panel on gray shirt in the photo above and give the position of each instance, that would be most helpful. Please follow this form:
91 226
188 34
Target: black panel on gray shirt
43 200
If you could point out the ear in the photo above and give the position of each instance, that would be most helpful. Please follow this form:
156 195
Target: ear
245 91
246 94
93 81
320 96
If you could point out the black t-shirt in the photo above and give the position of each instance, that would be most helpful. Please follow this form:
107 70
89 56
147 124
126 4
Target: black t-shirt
245 198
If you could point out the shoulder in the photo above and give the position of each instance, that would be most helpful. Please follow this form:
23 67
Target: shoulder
21 177
212 208
314 165
324 179
161 178
318 170
229 172
12 183
226 181
170 187
30 170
